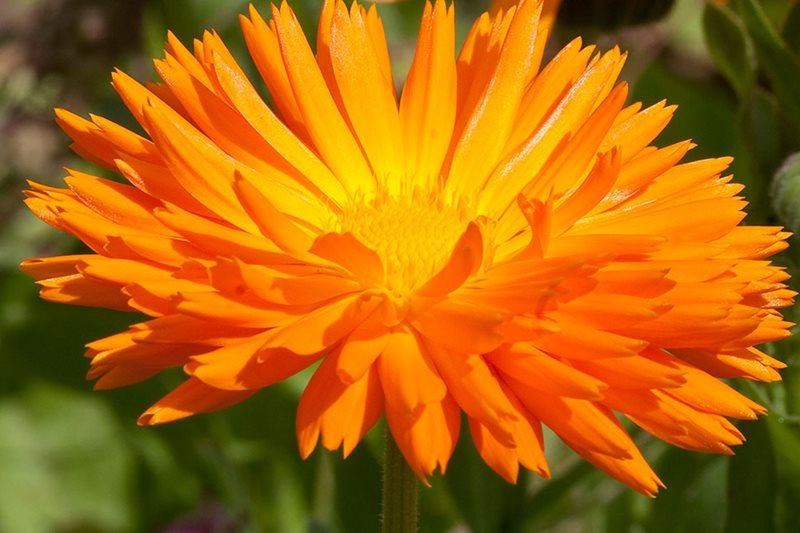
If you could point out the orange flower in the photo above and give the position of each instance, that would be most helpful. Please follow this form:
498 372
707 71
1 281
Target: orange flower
504 242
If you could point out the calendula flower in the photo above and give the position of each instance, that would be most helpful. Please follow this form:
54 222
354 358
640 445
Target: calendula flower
500 240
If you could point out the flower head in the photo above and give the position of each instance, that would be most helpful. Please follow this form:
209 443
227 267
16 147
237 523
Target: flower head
500 240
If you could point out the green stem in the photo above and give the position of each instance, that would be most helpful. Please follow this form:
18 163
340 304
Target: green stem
399 491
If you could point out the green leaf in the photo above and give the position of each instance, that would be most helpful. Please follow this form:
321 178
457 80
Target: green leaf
65 464
619 515
154 29
791 29
730 48
266 475
693 482
552 501
760 128
785 436
780 64
160 469
751 483
761 119
582 14
358 495
476 490
786 192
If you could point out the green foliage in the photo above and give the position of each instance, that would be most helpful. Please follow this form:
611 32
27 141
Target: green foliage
786 440
65 463
730 47
791 29
776 58
751 483
786 192
476 491
603 16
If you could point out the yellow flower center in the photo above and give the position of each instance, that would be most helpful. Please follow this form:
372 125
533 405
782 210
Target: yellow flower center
414 235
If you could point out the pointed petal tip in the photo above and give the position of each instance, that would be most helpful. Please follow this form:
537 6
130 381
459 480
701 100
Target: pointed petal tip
348 448
306 451
544 471
149 418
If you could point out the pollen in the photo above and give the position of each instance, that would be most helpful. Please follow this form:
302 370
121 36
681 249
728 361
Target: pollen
413 234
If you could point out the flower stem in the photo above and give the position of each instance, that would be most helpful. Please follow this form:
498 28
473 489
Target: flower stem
399 491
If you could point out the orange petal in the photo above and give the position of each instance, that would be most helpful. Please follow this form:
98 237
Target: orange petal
189 398
262 42
340 413
241 312
217 238
464 261
347 251
191 158
427 439
573 158
323 327
633 471
278 227
409 377
367 95
321 117
528 449
522 166
709 394
524 363
675 422
77 289
428 103
362 348
275 287
247 101
476 390
484 135
579 423
246 364
459 326
589 193
51 267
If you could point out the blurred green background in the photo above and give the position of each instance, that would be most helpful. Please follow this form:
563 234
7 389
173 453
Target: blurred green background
74 461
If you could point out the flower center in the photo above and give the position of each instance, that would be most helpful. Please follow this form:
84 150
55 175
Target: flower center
413 235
